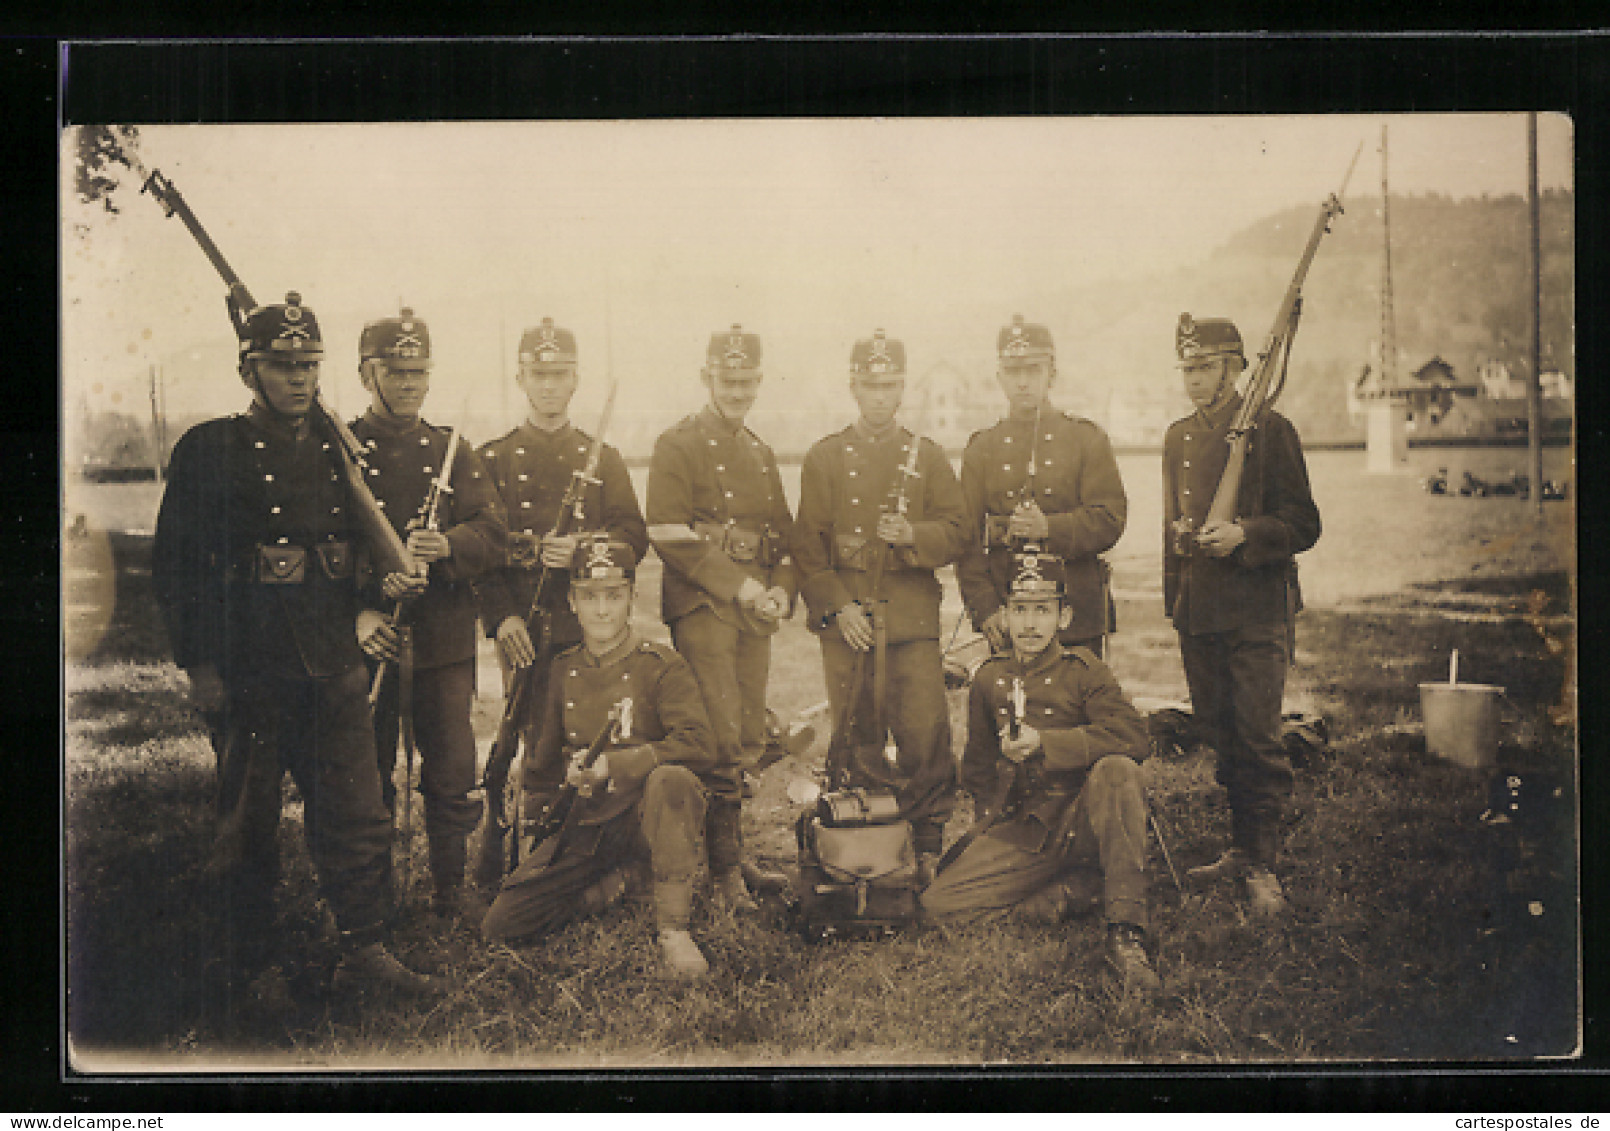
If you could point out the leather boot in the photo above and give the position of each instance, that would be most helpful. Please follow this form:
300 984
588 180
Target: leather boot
673 906
450 899
1231 864
372 966
723 831
1264 895
1126 952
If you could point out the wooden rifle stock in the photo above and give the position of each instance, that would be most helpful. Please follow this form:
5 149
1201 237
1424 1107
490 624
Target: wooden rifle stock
549 835
1258 398
391 556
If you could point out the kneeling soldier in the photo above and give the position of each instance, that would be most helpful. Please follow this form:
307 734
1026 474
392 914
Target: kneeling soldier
640 799
1052 747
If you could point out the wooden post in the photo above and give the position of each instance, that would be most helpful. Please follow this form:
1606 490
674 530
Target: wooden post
1534 384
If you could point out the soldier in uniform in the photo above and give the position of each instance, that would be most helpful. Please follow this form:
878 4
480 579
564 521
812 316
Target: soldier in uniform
436 658
1051 762
719 519
533 467
1040 478
849 523
1231 589
641 799
254 566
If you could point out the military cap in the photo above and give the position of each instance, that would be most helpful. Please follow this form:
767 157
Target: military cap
602 559
878 354
402 342
1211 337
1024 340
1036 575
733 349
285 329
548 344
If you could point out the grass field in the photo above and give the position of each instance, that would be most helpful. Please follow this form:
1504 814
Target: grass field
1417 930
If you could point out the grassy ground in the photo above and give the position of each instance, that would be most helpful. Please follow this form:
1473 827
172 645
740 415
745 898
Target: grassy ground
1417 929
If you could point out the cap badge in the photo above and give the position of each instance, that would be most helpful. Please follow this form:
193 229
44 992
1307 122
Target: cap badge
1186 340
598 557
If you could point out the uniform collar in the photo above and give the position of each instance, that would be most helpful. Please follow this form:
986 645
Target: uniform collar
276 425
863 431
712 418
613 655
532 426
1047 658
392 426
1222 417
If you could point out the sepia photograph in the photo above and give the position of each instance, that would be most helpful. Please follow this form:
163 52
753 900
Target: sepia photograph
813 592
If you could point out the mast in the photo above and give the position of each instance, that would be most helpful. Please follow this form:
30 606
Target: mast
1389 324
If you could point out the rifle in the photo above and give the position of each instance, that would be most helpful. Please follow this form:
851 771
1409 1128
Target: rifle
549 833
1263 387
525 687
391 554
428 518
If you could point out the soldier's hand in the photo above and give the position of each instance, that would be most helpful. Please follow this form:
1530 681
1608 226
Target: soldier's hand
206 687
588 781
751 594
377 636
429 546
776 606
1021 747
1220 539
403 586
855 626
524 550
558 550
896 529
515 643
994 631
1028 521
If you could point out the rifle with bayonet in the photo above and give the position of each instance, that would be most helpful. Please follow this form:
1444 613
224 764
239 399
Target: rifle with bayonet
390 553
549 832
527 683
1268 378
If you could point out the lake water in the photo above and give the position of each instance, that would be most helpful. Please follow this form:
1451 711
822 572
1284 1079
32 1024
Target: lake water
1381 531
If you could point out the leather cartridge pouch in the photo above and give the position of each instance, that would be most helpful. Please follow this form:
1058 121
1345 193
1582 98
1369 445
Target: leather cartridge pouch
279 564
850 551
995 530
742 546
335 558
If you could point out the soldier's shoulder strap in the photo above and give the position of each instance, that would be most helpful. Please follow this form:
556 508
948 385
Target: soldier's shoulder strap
756 440
1082 654
490 448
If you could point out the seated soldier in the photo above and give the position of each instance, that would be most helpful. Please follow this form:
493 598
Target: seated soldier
1052 747
640 800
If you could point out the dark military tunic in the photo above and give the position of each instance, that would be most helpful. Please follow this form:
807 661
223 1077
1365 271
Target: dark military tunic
1234 614
403 459
402 462
1276 510
254 566
717 515
532 470
847 480
1076 484
714 491
1076 804
654 805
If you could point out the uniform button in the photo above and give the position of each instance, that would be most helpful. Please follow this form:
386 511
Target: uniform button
570 704
1187 490
526 503
1008 439
582 450
523 477
527 530
727 493
258 444
268 478
335 510
424 441
858 530
1187 436
852 473
854 502
720 468
273 510
284 541
1048 435
381 503
429 469
519 451
1187 463
712 443
1048 710
326 447
1047 462
573 671
374 471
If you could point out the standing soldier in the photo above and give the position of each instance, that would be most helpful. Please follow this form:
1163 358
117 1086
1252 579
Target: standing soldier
253 565
533 468
879 511
1039 479
1052 759
1231 588
719 519
624 732
429 649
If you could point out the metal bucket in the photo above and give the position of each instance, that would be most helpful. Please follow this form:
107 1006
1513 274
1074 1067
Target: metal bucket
1462 722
